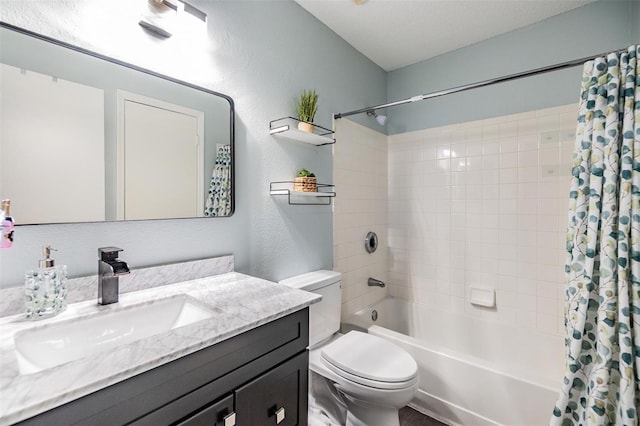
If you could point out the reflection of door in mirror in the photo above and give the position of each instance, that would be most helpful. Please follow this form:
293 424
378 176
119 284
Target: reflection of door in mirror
51 143
160 159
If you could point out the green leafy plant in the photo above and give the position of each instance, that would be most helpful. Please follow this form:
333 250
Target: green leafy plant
305 173
307 105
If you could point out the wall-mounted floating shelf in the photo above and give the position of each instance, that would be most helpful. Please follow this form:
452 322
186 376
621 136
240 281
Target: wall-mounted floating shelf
323 195
287 127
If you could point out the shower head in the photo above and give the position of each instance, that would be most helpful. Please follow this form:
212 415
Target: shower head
381 119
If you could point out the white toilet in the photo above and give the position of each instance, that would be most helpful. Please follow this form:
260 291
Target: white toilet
374 378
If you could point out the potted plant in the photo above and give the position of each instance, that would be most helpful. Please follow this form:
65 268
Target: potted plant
306 107
305 181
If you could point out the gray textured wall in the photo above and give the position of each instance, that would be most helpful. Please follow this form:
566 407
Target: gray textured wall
600 27
262 53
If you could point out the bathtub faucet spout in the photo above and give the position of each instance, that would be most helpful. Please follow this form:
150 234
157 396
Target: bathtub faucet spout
372 282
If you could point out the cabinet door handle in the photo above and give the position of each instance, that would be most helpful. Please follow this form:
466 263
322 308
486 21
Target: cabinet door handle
230 419
279 415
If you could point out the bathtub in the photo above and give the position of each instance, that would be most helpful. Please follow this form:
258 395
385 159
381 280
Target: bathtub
471 371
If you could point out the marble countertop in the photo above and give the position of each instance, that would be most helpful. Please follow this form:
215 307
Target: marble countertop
243 303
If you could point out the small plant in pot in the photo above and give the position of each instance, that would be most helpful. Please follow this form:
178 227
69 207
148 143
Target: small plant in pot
306 107
305 181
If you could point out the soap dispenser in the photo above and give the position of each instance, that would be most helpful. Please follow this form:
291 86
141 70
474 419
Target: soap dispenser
6 222
45 291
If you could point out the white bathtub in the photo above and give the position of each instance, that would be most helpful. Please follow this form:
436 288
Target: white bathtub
472 371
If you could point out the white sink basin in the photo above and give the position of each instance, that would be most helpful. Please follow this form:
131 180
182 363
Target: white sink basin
50 345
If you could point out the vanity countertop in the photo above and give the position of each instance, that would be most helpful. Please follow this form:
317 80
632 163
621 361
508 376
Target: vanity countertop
243 302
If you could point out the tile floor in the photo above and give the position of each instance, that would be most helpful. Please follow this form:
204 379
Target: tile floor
411 417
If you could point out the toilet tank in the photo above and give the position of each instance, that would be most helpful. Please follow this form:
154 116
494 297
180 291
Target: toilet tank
324 316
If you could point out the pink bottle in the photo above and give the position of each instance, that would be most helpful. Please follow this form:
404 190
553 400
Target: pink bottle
7 225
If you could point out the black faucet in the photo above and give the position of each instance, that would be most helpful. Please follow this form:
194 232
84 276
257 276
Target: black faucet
109 270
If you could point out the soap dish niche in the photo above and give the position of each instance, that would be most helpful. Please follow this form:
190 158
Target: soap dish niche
482 296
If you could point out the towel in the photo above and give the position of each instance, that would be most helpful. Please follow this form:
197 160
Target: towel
219 195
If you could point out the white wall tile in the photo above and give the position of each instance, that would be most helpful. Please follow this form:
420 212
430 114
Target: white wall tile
508 160
364 163
509 175
527 126
479 203
526 319
528 142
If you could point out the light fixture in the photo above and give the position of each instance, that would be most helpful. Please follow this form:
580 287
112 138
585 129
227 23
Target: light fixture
154 27
191 9
381 119
161 17
173 4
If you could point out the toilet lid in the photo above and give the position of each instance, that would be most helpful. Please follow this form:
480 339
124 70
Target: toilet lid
370 357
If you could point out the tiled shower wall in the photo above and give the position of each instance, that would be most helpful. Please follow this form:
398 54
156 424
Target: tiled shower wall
483 203
360 176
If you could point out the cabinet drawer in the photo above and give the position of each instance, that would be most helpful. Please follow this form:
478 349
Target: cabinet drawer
214 415
278 397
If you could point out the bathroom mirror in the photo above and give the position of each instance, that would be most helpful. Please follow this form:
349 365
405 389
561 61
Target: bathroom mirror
86 138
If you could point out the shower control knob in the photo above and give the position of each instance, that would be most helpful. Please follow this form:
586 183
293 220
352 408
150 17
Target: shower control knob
371 242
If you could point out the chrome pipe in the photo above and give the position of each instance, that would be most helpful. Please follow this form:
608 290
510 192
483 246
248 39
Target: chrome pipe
372 282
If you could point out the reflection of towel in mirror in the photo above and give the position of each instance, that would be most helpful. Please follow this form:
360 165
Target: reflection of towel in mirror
219 196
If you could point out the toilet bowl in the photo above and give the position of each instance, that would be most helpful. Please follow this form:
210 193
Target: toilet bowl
373 377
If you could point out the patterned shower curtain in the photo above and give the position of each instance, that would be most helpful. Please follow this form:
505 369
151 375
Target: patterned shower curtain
219 195
602 304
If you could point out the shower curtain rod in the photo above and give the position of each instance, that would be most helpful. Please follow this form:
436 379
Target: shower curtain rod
536 71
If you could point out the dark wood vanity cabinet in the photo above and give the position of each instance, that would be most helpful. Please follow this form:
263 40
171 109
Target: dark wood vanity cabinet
257 378
274 397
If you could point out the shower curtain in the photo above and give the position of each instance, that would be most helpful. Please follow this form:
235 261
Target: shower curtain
602 304
219 196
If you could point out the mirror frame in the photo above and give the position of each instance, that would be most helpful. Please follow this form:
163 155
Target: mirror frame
153 74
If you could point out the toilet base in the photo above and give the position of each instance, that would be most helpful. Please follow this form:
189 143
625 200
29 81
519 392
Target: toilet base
328 404
359 415
363 413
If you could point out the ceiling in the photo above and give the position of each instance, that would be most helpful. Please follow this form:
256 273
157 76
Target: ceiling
396 33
